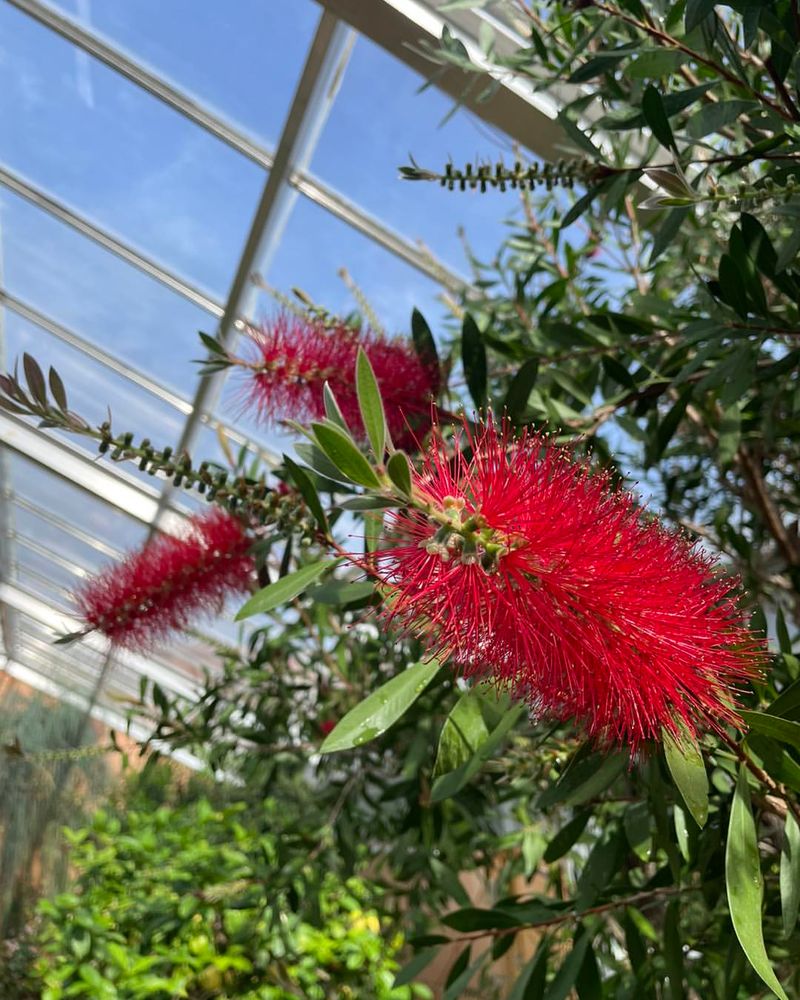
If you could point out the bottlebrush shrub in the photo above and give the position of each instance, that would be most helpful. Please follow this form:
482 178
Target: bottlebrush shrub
528 568
168 583
292 358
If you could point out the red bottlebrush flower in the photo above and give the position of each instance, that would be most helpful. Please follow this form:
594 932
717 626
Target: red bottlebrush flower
295 357
164 585
530 569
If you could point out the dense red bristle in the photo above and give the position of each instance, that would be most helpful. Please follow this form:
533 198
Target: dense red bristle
295 357
164 586
596 612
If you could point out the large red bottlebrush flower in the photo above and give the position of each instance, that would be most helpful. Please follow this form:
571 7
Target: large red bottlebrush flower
528 568
294 358
165 585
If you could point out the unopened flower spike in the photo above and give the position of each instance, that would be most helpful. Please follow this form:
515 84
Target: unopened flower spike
292 358
165 586
528 568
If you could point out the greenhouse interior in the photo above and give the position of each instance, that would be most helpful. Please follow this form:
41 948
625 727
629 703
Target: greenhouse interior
400 499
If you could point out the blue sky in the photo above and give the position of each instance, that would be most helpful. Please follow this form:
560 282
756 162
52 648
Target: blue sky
114 153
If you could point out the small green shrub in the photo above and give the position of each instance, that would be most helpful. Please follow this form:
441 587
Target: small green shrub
192 901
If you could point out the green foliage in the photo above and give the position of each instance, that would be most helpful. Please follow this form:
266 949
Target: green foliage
192 901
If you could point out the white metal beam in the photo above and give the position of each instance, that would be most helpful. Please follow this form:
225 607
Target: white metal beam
108 482
316 91
48 203
403 26
39 682
304 181
59 623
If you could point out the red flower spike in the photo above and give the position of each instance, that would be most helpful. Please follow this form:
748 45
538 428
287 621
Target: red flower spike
530 569
295 357
162 587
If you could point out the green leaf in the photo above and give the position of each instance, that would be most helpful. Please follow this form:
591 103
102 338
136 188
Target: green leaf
787 702
713 117
583 779
398 469
473 918
520 389
688 770
332 409
381 709
790 874
344 454
424 344
463 732
414 966
318 461
656 117
370 404
666 233
673 950
696 11
473 357
745 884
730 434
308 492
783 730
600 868
566 837
531 981
339 592
285 589
450 784
565 977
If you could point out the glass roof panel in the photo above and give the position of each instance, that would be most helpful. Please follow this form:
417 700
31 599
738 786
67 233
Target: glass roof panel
254 71
101 144
106 301
361 149
90 514
92 388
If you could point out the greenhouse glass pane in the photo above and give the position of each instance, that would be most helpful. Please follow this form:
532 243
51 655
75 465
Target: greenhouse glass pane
98 296
363 145
93 389
122 157
91 514
256 49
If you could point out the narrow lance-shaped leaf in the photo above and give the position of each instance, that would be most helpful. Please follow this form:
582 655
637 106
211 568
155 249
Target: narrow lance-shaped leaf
399 471
790 874
473 357
343 452
303 482
463 732
745 884
381 709
688 771
285 589
370 404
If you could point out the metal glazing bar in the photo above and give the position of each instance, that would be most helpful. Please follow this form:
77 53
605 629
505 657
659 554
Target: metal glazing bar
138 500
55 557
7 616
313 98
60 623
129 373
34 678
58 522
47 203
402 26
41 578
305 182
121 368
